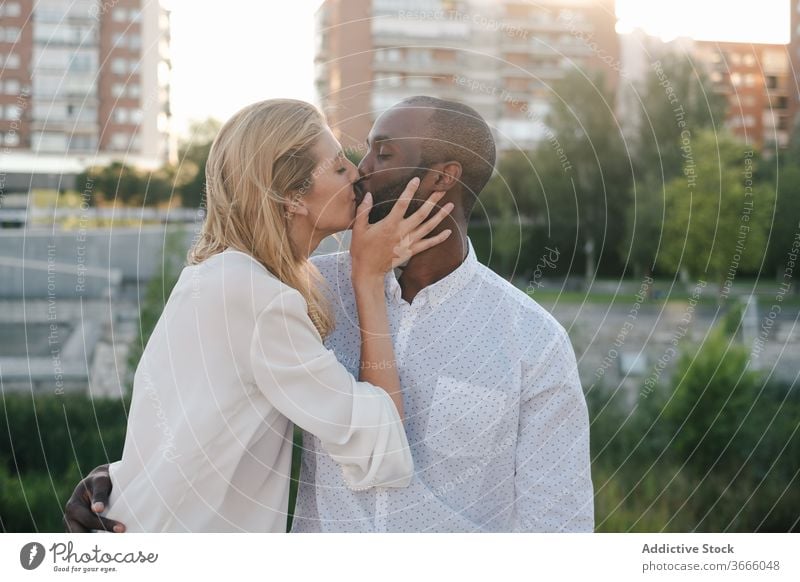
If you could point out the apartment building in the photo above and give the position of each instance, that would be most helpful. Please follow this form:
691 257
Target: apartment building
760 88
82 82
499 56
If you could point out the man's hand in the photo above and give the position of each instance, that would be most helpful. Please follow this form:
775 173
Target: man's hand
88 500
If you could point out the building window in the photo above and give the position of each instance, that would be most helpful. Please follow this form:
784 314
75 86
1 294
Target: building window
11 61
49 142
9 33
119 66
12 87
83 142
83 62
126 40
385 80
10 9
389 56
120 141
419 81
13 112
11 138
420 56
121 115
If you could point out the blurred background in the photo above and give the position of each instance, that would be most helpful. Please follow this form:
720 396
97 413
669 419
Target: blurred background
647 193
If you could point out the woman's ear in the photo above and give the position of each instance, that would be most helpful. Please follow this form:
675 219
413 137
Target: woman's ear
295 206
446 175
299 208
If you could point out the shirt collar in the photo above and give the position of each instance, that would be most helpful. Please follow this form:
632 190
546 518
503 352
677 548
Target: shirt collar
443 289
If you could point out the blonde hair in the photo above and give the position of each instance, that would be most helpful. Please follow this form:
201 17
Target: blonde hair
258 164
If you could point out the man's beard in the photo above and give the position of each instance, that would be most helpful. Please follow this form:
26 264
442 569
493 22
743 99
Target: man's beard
383 200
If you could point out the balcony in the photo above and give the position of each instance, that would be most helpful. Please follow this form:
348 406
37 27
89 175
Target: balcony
391 31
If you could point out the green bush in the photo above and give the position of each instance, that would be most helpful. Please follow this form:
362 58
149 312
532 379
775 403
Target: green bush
46 444
718 452
708 410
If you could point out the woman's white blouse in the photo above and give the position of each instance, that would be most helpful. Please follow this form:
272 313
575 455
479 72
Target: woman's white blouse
232 363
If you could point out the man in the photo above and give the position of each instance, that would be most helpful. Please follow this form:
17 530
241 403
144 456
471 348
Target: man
495 414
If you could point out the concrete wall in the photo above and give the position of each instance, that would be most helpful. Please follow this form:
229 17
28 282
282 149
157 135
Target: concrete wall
37 263
136 253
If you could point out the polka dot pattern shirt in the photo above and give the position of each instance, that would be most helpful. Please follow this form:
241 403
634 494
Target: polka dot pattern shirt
495 414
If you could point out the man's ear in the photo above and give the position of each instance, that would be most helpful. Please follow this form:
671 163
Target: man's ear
445 175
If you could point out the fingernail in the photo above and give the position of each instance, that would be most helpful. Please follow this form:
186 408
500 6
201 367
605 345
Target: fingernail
97 507
119 529
415 180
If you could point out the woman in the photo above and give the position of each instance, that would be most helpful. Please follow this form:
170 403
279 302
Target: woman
237 356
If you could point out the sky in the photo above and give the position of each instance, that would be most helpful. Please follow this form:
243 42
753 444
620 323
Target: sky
252 50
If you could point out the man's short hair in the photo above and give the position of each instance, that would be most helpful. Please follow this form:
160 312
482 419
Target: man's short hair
456 132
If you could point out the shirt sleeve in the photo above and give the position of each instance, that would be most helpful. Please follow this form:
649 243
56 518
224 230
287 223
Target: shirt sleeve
357 423
553 483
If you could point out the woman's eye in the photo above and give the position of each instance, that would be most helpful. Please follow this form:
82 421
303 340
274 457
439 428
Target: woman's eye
383 156
341 170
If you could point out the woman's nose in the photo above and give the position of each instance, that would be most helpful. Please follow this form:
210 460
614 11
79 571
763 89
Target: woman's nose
354 174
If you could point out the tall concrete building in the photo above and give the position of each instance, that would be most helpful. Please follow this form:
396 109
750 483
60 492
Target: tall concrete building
758 83
82 83
499 56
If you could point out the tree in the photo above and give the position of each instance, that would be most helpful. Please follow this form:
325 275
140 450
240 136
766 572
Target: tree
786 225
164 183
513 190
716 219
585 179
116 182
676 96
129 186
192 155
675 90
714 389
